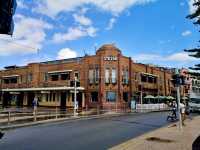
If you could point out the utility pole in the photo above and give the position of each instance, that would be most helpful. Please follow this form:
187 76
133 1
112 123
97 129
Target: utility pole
75 101
178 98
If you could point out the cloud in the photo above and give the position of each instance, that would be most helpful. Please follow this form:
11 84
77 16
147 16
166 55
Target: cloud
192 8
111 23
27 38
66 53
82 20
186 33
21 4
176 57
74 33
52 8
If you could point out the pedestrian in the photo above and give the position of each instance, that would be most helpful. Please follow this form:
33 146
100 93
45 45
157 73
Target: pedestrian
174 108
1 134
35 104
182 111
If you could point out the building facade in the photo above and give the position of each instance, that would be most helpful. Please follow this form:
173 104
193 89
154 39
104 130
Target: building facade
107 79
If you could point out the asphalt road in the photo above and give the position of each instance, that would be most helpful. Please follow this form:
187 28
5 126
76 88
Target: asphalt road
94 134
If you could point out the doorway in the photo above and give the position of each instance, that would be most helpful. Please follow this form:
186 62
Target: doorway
63 100
30 99
20 98
6 99
79 99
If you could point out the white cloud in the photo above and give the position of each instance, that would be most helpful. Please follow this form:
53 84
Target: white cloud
27 38
21 4
111 23
74 34
176 57
82 20
186 33
52 8
66 53
192 8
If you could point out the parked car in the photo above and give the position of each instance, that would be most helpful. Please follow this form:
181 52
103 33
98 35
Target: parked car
194 105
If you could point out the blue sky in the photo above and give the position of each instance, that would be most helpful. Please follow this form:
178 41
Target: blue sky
149 31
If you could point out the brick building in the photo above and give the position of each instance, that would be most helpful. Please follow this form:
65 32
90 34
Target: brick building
106 79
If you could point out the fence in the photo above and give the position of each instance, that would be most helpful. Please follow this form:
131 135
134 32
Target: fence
150 107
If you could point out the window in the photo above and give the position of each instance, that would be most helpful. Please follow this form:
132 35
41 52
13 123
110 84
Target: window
143 78
46 76
125 76
111 96
107 75
13 80
76 74
96 75
94 96
30 77
54 77
47 97
65 76
150 79
125 96
54 97
114 76
6 81
91 76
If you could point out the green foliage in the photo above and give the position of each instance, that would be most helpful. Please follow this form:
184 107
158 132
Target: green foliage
195 52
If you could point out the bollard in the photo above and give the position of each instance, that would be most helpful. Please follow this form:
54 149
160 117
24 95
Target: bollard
98 110
8 117
56 113
34 115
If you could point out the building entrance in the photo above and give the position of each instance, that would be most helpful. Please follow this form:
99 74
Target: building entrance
63 100
30 99
6 99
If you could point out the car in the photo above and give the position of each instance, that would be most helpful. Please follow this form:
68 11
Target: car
194 105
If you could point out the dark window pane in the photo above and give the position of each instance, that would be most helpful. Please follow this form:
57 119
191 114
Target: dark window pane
94 96
111 96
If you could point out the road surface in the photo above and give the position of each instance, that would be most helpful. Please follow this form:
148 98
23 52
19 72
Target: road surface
94 134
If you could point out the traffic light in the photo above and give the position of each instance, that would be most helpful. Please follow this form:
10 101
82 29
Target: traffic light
7 10
178 80
175 80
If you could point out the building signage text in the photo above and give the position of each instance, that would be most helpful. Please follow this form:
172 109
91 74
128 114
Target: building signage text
110 58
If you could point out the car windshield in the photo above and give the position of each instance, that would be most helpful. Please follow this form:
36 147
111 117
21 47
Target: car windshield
195 100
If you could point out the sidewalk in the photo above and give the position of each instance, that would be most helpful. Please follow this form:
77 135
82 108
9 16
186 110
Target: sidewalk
166 138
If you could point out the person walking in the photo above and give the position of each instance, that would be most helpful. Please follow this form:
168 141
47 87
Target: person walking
174 108
35 104
182 109
1 134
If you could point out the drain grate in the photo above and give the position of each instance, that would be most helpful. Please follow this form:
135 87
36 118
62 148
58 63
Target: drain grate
156 139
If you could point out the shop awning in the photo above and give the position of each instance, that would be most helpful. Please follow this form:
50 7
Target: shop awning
60 71
42 89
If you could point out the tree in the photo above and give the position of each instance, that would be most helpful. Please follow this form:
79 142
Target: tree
7 10
195 52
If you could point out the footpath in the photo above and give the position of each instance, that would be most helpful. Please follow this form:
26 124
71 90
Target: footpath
166 138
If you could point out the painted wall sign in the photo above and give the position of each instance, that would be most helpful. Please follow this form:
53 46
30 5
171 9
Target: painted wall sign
110 58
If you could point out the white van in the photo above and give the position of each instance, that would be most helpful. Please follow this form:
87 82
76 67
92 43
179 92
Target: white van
194 104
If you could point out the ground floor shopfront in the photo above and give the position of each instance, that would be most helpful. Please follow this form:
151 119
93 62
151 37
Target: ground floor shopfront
62 97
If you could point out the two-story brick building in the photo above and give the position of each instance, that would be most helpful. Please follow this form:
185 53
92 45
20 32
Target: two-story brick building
106 79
